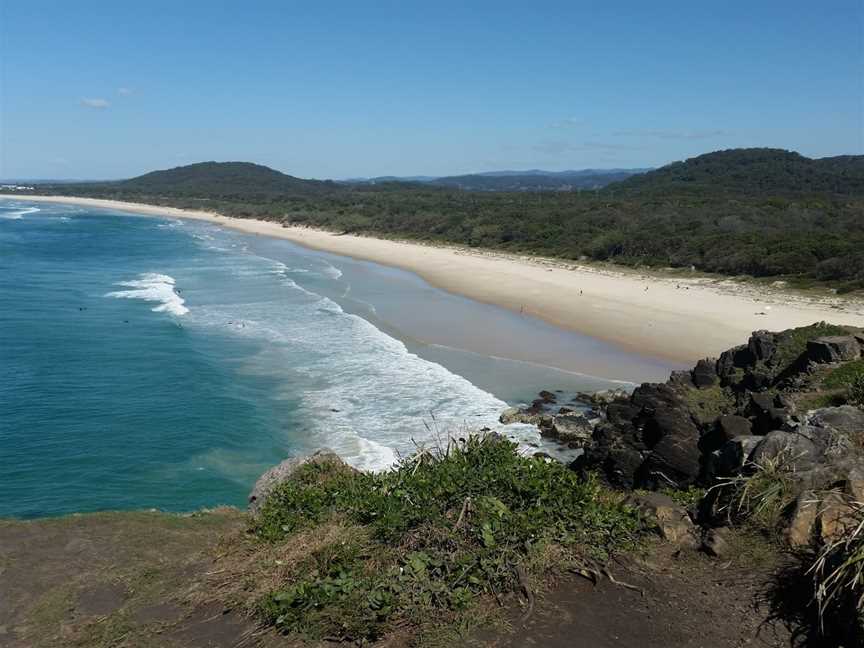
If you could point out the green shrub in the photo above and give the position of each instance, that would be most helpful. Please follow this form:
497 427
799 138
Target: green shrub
856 390
446 527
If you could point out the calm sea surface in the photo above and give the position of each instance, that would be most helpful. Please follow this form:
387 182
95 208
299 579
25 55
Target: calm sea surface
149 362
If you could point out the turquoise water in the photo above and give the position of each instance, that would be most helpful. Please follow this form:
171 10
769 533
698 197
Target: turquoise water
150 362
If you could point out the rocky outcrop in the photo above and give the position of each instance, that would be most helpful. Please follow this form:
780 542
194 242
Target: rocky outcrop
280 473
835 348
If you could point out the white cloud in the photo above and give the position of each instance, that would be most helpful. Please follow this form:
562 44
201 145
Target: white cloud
95 103
125 92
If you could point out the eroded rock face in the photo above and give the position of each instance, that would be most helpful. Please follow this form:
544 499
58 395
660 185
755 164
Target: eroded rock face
844 419
835 348
283 471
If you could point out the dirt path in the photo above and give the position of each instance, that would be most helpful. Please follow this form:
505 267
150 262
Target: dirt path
687 601
134 579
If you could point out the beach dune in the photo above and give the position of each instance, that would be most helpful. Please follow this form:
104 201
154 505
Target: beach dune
672 318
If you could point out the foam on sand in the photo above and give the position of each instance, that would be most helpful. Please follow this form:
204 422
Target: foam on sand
153 287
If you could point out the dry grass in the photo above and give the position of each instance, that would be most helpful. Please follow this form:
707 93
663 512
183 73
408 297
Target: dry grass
246 569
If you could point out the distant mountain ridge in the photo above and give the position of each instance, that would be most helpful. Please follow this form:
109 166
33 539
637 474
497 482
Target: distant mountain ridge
529 180
752 171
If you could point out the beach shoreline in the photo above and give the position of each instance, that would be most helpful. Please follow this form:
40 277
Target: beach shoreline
677 319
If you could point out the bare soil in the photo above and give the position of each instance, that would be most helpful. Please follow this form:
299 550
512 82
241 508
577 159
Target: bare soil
134 580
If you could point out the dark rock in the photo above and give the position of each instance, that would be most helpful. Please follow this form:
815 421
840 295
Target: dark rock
283 471
621 414
680 378
674 461
762 345
547 396
726 428
619 464
834 348
733 360
668 421
844 419
766 413
704 374
731 426
653 396
793 448
566 410
729 460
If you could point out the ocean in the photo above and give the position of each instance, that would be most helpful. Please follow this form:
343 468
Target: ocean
163 363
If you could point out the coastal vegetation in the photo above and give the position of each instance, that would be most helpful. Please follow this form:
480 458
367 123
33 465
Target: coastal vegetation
725 471
443 533
763 213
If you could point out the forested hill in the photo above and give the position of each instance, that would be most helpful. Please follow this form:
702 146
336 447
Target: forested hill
209 179
762 212
754 172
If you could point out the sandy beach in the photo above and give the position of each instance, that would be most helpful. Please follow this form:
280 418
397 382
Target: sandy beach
673 318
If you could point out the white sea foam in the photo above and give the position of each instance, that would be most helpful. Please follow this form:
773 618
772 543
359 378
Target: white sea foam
363 393
332 271
18 214
153 287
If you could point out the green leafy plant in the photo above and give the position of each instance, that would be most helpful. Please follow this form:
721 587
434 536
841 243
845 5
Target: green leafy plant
444 529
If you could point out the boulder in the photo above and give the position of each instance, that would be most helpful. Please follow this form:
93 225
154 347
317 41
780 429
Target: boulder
529 416
836 516
845 419
661 513
730 426
833 348
602 397
547 397
674 460
800 527
725 428
621 414
283 471
575 431
704 374
667 421
762 345
854 484
767 414
728 460
733 361
796 449
650 397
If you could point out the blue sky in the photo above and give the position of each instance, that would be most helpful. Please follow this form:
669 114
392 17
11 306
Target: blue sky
340 89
